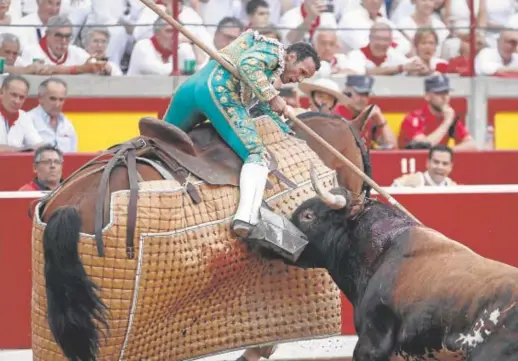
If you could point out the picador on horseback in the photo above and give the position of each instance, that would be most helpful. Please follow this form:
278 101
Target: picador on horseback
136 254
216 94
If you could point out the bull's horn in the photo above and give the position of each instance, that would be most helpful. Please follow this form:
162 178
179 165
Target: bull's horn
332 200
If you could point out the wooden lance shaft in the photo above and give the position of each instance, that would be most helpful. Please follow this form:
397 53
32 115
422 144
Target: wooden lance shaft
214 55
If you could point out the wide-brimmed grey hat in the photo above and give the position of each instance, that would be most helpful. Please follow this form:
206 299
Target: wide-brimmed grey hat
324 85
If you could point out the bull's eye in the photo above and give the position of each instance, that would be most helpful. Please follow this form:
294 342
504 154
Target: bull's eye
307 215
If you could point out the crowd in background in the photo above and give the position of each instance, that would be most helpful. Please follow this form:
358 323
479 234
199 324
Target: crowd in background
358 39
116 37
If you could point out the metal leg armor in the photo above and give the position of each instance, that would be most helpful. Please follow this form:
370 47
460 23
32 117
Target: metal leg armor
258 224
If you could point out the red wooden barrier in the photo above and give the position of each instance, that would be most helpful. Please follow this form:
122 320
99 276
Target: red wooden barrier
497 167
484 222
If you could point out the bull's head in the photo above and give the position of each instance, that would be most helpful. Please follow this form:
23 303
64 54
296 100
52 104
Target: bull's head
323 219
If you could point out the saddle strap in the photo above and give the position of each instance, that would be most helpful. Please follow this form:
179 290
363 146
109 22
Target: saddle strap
102 194
178 172
281 177
132 204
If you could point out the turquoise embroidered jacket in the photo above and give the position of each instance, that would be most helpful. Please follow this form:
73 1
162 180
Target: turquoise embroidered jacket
259 60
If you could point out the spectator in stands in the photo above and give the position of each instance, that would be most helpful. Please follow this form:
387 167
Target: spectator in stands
461 64
375 131
425 42
6 17
13 93
55 51
48 119
227 31
502 61
436 122
326 45
438 167
323 94
378 57
357 25
35 23
187 15
10 49
154 56
423 17
499 12
271 32
258 12
290 96
459 16
301 22
214 11
95 41
48 166
120 32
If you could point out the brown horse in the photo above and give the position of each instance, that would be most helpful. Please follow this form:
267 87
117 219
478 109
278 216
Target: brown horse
73 306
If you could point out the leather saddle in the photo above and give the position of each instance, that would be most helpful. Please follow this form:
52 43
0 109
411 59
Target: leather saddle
201 152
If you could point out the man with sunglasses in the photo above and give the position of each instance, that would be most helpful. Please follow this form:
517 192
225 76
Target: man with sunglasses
375 128
55 51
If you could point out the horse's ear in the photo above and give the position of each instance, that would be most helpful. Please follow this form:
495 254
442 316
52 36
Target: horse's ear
358 205
361 120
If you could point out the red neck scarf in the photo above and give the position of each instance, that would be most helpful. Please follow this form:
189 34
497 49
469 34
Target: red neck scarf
44 46
9 117
377 60
165 53
315 23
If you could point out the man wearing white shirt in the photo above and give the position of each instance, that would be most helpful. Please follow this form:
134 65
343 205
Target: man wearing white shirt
301 22
325 43
187 15
213 11
154 56
55 48
423 16
502 60
10 49
35 23
229 29
357 23
48 119
95 41
16 127
258 12
378 57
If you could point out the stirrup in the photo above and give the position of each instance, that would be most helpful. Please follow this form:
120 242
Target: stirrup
276 233
241 228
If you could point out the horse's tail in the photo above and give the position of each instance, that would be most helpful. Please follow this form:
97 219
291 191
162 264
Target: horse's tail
73 305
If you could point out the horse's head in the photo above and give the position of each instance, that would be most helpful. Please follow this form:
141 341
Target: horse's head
345 138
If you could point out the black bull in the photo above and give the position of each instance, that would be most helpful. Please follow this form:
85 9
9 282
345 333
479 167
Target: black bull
417 295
